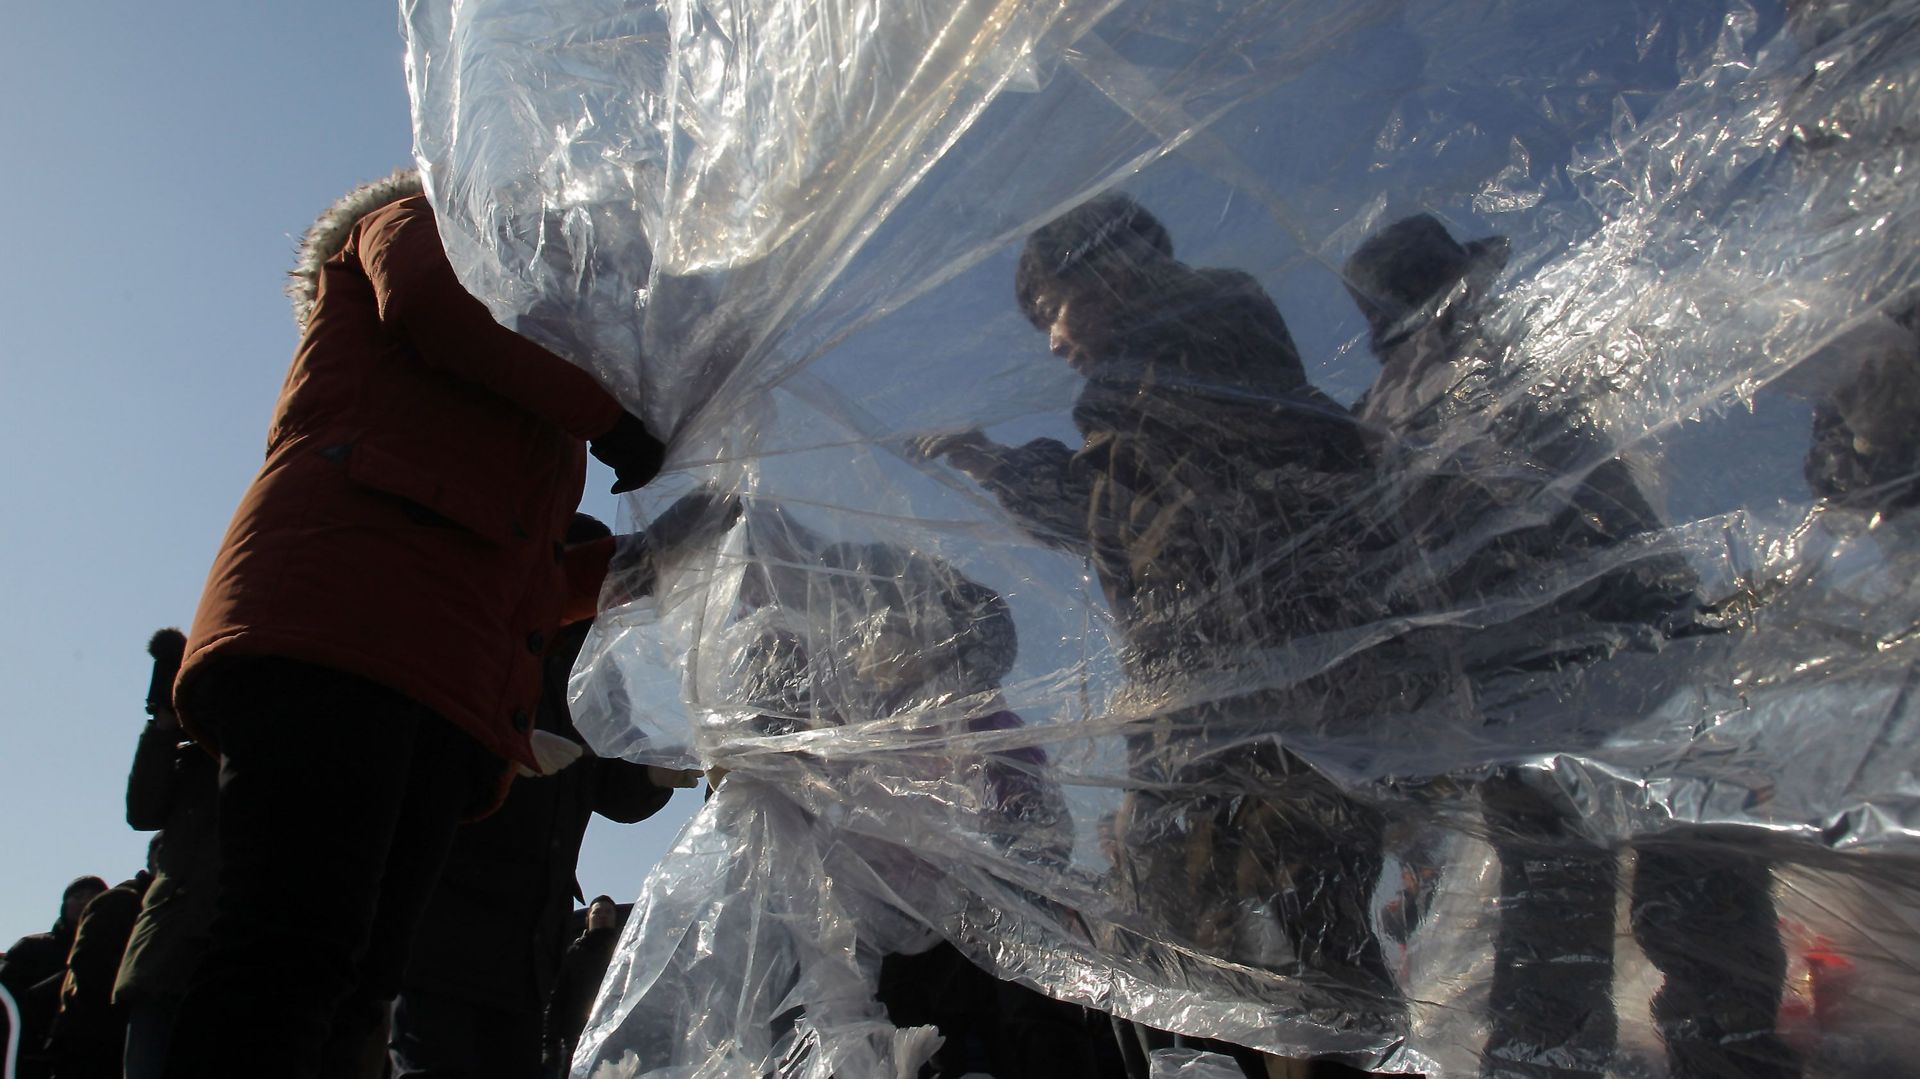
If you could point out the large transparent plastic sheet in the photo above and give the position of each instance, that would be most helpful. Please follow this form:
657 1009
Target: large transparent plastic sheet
1344 528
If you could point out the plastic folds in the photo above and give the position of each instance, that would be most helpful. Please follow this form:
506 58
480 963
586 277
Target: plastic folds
1339 528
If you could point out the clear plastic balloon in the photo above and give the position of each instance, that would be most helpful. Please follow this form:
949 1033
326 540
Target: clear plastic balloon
1352 529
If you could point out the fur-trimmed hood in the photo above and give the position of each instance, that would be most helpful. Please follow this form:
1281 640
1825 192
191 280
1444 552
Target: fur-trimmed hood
329 234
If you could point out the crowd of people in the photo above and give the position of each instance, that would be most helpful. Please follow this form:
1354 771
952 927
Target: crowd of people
501 971
382 650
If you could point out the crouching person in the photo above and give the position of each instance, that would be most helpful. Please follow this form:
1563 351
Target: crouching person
366 656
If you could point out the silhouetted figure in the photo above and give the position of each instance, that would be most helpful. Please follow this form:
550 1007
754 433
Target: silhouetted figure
173 788
367 654
89 1031
32 970
1866 434
1526 485
488 951
581 970
1219 497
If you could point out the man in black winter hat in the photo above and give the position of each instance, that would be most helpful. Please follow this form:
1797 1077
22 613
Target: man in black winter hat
1702 903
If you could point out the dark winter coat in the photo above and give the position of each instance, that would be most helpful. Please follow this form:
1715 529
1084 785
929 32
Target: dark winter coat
493 931
1224 503
90 1029
1491 488
422 466
31 970
1843 467
1215 490
571 1005
173 787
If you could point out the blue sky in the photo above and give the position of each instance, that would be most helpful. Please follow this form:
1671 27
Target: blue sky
162 159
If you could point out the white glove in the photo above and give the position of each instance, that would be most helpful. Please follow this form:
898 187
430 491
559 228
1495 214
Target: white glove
552 753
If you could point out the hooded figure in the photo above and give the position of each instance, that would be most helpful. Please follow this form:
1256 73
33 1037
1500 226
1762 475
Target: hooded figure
1493 479
367 654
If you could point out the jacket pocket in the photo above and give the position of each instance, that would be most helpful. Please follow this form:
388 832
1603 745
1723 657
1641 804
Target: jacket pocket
371 466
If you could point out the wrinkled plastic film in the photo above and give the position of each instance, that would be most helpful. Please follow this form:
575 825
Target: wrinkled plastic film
1365 620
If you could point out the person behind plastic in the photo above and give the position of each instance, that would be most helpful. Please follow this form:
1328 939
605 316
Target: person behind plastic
910 636
367 654
1214 492
1702 906
488 950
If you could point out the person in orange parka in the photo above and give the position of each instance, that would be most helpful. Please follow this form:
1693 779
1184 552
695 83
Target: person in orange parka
366 657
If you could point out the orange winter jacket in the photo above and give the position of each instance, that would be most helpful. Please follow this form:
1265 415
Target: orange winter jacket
421 469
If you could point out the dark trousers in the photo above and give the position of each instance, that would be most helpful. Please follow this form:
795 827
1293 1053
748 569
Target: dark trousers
149 1026
1551 1004
338 801
1702 911
992 1026
439 1036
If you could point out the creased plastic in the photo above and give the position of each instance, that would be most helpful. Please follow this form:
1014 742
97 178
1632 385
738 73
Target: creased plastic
1347 529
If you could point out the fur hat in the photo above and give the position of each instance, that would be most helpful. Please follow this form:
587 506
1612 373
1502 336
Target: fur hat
1410 266
167 647
329 234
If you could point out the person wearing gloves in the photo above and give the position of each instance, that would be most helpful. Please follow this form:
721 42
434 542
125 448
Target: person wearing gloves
489 947
1701 898
367 654
172 789
1214 492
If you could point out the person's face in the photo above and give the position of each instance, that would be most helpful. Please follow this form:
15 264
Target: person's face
1079 325
886 653
1881 405
603 916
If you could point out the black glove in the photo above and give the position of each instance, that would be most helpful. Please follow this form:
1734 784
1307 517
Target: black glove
634 455
693 519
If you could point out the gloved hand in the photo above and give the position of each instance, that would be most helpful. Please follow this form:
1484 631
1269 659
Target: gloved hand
552 752
634 455
969 451
693 520
665 778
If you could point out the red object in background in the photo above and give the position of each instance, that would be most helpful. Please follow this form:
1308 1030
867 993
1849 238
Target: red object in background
1819 982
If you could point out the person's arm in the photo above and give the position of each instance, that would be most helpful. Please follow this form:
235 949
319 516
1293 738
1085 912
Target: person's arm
1041 489
1037 484
585 565
694 519
627 792
150 783
418 294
